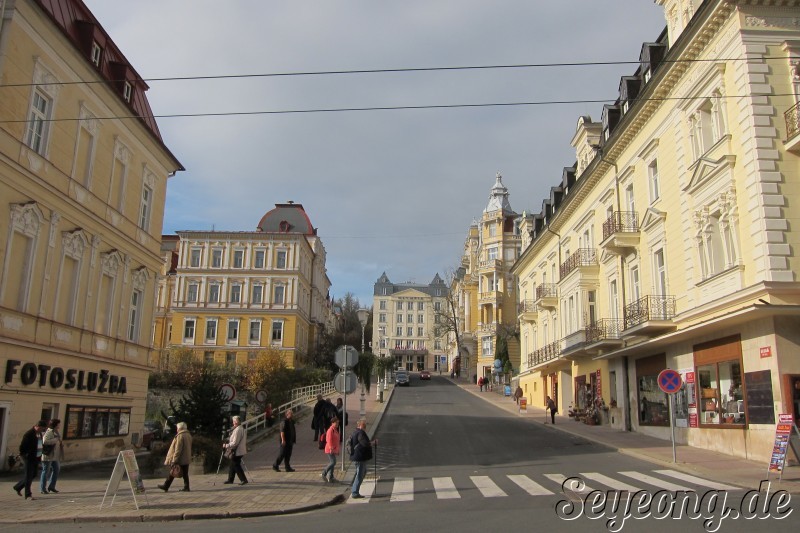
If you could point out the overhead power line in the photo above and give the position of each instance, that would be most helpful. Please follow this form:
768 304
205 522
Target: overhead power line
377 71
387 108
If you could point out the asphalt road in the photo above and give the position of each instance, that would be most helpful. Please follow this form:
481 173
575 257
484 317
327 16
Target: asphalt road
448 460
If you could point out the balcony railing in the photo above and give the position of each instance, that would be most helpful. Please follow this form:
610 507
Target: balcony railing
649 308
582 257
792 117
491 264
604 329
621 222
544 354
546 290
527 306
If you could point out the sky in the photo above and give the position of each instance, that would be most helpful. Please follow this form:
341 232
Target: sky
394 190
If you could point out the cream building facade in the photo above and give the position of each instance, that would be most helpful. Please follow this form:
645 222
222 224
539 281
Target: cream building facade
80 221
463 343
405 317
229 295
670 243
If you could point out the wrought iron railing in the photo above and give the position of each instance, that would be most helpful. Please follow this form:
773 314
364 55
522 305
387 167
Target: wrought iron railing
649 308
527 306
544 354
546 290
604 329
792 117
581 257
621 222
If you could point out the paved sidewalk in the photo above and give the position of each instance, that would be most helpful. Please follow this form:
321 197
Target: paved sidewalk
697 461
267 493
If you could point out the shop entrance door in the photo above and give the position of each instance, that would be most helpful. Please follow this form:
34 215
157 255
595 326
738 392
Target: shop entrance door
5 409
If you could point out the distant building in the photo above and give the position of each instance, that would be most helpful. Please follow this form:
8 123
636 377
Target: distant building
405 317
80 221
227 295
669 243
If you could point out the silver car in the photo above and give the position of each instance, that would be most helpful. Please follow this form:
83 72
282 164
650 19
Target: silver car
401 378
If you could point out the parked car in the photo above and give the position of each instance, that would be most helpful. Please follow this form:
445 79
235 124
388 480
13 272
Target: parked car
401 378
424 375
153 431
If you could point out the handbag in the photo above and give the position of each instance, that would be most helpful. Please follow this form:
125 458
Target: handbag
229 453
322 441
175 471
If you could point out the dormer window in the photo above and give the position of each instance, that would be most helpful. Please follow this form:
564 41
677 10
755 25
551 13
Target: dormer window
127 90
96 54
625 106
647 75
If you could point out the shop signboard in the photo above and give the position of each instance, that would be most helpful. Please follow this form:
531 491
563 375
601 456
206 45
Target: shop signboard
783 433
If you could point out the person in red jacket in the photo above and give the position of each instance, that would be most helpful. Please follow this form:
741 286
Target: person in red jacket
332 448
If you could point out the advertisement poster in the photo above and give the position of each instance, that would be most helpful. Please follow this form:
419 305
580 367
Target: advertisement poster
599 385
684 399
782 433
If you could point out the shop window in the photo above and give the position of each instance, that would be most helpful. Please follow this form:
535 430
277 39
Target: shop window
653 402
721 398
83 422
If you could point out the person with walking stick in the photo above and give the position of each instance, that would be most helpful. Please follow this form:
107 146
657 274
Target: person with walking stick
235 449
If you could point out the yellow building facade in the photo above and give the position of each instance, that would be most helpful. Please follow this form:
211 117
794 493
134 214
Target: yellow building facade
463 343
669 244
80 220
229 295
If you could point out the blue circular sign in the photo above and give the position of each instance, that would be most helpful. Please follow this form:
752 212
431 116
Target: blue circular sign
669 381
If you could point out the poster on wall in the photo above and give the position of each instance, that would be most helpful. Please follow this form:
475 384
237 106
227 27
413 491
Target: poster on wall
683 399
690 385
599 385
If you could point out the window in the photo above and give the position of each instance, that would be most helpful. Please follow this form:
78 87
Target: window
96 54
238 258
613 299
216 258
660 273
635 288
420 306
410 318
410 331
208 357
194 259
255 331
492 229
127 91
420 332
191 293
281 259
719 382
84 151
486 346
652 178
420 319
144 211
230 358
382 305
83 422
437 344
280 291
410 306
491 253
591 297
399 330
716 236
236 293
258 294
39 121
653 402
277 331
259 259
134 316
382 317
188 330
211 331
437 306
629 201
399 306
233 331
213 293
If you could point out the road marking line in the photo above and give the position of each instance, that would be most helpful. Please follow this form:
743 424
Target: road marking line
529 486
697 480
487 487
445 488
610 482
571 486
366 490
403 490
660 483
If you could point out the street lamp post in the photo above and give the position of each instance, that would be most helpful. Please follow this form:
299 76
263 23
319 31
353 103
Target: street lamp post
363 315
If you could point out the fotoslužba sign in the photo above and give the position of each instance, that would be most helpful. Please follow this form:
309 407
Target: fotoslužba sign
41 375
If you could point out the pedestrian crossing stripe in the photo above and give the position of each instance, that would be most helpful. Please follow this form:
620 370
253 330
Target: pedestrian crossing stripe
445 488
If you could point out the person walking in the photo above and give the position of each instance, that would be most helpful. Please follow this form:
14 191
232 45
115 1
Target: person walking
52 455
518 394
179 453
553 409
30 449
361 452
480 383
332 448
316 420
343 418
237 448
288 438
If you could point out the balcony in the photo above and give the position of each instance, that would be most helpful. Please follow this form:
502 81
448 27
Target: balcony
603 335
621 232
489 297
489 328
792 117
527 311
650 315
547 296
490 265
544 355
584 259
407 351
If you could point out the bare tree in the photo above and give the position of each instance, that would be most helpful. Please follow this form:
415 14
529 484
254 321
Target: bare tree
446 319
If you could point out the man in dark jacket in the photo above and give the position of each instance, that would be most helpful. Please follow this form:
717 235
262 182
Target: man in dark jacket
288 438
361 448
31 451
316 420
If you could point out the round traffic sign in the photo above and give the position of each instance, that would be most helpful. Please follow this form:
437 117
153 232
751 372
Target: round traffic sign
669 381
261 396
228 391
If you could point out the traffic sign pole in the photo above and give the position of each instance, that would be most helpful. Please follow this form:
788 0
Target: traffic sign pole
672 424
670 382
